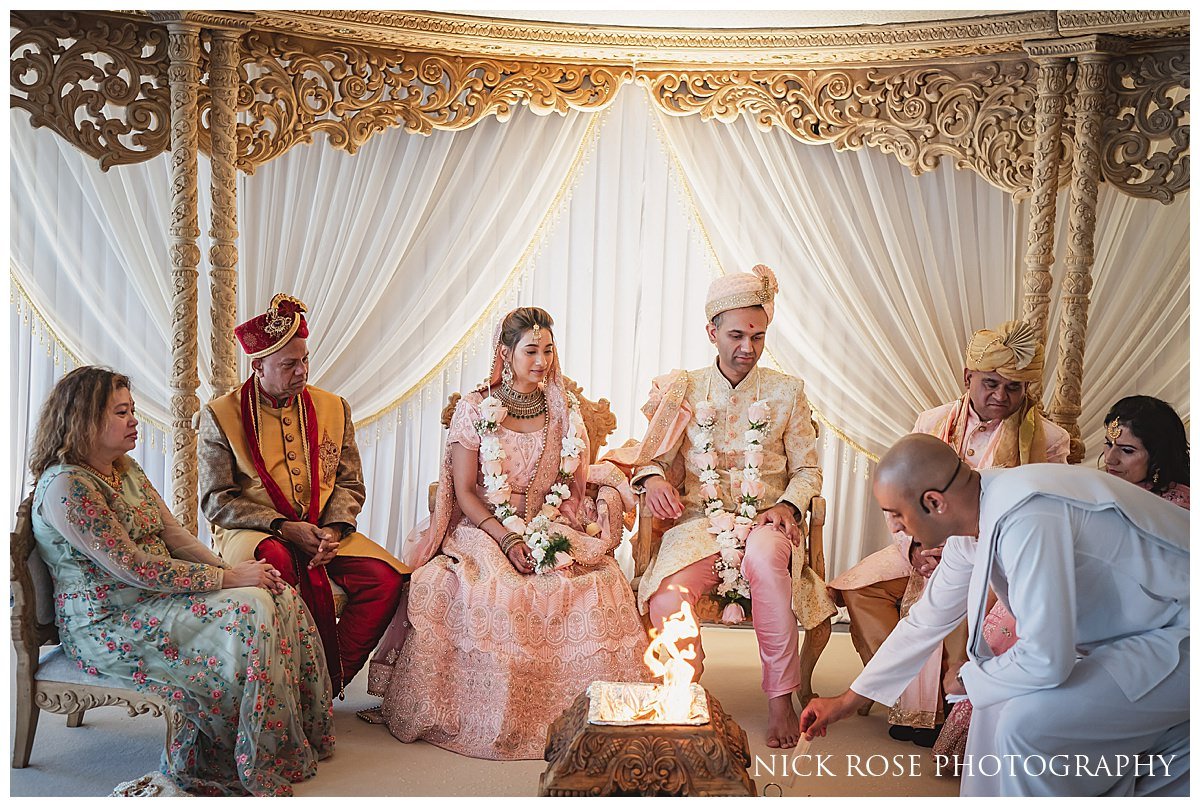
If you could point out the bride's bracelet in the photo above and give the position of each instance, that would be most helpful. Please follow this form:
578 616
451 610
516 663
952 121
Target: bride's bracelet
486 520
509 541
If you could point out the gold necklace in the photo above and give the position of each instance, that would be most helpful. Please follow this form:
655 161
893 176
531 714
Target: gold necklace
113 480
522 405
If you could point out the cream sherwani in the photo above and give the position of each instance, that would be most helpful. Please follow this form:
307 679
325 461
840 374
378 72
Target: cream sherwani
1095 571
790 472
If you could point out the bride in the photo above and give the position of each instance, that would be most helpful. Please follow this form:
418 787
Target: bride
517 604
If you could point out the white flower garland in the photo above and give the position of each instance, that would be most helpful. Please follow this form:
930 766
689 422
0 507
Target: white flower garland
544 543
731 529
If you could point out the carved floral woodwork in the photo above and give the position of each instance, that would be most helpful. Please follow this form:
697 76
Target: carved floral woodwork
293 88
645 760
1092 99
1047 150
223 86
1146 137
960 88
978 114
98 82
184 229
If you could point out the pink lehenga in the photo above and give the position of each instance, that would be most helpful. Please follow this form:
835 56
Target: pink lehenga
492 657
1000 632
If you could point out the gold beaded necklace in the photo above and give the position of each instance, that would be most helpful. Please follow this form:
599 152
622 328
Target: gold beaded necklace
113 480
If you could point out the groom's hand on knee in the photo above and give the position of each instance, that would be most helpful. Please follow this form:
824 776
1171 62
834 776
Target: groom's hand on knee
783 518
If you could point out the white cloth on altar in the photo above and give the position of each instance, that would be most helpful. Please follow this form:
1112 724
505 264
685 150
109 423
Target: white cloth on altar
1095 570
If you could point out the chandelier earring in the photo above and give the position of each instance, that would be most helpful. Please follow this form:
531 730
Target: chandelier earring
1154 479
506 375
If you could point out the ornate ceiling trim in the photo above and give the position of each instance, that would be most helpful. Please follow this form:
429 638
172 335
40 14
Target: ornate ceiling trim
962 89
608 44
1142 24
960 37
980 115
293 87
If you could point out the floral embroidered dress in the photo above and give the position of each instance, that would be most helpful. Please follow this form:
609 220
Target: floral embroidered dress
494 656
139 599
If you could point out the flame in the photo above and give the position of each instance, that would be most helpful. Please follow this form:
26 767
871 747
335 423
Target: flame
673 698
675 701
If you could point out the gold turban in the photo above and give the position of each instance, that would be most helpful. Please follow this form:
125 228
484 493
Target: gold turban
743 290
1012 350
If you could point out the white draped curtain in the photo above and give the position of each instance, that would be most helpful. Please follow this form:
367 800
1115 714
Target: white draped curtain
615 222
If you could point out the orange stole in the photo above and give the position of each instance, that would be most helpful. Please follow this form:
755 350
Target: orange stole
282 446
273 442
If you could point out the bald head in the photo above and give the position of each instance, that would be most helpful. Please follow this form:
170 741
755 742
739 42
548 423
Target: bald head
927 491
916 463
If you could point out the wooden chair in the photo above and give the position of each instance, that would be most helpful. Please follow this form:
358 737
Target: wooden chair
50 681
649 539
598 419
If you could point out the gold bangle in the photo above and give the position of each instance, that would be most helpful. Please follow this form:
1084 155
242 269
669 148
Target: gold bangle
509 541
486 520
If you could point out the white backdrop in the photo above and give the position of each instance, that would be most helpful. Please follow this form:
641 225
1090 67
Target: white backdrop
615 223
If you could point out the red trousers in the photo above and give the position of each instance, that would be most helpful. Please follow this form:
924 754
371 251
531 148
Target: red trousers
373 591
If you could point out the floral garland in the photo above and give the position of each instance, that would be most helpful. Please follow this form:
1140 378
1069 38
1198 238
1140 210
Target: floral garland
732 529
544 543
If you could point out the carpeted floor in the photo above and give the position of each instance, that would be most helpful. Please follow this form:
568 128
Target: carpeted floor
861 759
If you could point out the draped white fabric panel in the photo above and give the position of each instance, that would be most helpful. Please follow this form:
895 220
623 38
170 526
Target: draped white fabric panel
400 249
90 248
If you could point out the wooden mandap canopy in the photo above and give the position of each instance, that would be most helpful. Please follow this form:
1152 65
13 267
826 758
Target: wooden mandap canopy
1031 101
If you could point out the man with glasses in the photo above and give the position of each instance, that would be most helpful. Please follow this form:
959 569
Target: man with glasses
993 425
1092 697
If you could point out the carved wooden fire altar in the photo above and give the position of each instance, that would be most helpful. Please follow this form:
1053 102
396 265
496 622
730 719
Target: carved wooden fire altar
646 759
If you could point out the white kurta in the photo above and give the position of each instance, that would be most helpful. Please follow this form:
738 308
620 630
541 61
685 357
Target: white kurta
1095 571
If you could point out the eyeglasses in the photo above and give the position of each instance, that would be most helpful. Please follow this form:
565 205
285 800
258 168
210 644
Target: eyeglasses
943 489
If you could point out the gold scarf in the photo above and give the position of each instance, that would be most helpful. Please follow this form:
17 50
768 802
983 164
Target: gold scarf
1022 437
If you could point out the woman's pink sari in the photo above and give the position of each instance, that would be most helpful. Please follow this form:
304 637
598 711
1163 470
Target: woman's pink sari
493 656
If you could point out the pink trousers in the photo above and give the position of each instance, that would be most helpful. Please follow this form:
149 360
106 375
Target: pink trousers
767 567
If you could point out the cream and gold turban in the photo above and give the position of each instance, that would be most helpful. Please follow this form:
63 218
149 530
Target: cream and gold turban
742 290
1012 350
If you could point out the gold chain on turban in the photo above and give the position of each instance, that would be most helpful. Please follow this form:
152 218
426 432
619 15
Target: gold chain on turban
1012 350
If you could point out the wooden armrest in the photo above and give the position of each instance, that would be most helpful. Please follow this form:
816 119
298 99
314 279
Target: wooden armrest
643 548
816 535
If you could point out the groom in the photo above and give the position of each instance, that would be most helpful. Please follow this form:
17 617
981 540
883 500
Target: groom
730 456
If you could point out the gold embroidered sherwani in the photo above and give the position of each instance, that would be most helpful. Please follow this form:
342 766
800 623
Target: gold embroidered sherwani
790 471
232 495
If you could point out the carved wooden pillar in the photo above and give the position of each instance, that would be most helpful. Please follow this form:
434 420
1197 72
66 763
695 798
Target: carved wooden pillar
222 122
1091 83
1039 251
183 47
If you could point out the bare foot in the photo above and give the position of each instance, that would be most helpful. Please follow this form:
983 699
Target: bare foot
783 727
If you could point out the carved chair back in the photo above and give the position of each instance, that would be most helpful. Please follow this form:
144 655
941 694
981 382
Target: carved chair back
32 595
51 683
